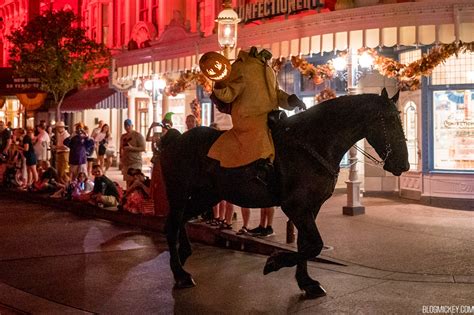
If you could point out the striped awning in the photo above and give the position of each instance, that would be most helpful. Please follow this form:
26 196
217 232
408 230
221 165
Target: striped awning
95 98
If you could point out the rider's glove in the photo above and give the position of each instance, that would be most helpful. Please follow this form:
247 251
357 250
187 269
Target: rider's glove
295 102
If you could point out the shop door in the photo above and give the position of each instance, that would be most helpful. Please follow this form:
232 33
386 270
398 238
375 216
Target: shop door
411 182
143 117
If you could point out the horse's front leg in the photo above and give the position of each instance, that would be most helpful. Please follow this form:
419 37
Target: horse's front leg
173 226
310 245
312 288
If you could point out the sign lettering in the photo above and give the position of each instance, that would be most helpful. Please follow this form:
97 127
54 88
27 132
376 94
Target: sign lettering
269 8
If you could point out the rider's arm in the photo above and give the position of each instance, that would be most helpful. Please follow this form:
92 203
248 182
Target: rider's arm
228 90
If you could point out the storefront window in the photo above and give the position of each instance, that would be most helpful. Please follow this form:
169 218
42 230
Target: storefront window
411 126
176 104
453 129
456 70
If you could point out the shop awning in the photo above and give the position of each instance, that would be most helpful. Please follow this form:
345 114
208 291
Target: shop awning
94 98
399 24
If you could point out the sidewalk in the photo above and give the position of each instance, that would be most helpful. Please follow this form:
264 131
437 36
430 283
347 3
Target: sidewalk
395 239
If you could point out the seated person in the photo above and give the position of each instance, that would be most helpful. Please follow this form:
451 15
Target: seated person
137 193
48 179
105 192
79 189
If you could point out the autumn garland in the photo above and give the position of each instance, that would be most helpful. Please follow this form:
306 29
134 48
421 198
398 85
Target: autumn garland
408 75
176 86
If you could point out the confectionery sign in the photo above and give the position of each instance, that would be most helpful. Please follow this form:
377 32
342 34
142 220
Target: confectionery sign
269 8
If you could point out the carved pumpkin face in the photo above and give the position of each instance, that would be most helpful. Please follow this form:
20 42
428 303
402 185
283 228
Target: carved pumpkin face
214 66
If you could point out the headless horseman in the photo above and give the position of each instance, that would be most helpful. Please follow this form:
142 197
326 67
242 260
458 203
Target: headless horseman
252 92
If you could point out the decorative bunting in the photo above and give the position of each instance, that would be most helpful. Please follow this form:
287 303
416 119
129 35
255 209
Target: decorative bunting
409 75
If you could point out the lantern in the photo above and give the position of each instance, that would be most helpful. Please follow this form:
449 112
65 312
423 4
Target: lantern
215 66
227 21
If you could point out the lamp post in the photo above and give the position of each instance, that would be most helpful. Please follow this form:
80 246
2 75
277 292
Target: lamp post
351 63
155 87
227 21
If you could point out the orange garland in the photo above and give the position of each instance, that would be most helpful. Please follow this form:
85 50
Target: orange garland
407 75
174 87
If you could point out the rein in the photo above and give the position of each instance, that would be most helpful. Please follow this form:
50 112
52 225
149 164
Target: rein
318 157
311 151
388 148
372 158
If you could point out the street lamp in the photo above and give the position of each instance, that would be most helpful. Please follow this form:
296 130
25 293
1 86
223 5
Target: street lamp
350 62
154 88
227 21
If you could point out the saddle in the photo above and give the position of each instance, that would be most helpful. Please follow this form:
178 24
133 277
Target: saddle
259 175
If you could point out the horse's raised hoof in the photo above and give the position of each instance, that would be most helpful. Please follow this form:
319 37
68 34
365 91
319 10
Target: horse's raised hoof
185 283
271 265
314 291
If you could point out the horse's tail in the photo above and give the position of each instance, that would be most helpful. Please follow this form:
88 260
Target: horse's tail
170 137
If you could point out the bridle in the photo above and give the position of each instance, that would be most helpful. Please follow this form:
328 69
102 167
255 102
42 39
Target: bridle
388 147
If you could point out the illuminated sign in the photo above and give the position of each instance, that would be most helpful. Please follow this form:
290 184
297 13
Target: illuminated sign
269 8
9 85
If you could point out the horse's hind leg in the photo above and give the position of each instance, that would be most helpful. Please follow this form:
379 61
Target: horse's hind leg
184 249
174 224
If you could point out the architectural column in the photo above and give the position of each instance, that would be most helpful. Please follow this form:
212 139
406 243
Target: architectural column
164 105
354 205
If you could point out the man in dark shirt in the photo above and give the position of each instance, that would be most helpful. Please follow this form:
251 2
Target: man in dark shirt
5 141
105 191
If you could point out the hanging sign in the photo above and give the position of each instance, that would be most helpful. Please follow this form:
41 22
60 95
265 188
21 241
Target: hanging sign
269 8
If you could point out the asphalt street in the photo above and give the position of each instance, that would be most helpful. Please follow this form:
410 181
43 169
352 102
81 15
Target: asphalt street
54 262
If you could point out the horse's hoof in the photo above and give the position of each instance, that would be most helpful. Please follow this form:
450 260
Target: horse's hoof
314 291
185 283
270 265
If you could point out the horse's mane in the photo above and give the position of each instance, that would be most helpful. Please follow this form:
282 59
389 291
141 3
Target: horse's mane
330 115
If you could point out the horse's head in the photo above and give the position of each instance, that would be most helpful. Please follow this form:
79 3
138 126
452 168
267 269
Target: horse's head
387 137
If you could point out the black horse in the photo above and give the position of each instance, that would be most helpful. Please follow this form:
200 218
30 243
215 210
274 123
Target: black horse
309 147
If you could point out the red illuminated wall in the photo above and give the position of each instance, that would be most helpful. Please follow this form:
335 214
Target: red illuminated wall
113 21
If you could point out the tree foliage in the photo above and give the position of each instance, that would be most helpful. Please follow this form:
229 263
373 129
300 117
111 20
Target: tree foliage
55 49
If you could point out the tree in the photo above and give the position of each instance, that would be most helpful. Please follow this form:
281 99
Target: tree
54 49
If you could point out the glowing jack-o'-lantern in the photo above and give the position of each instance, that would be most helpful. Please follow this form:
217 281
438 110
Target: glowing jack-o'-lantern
215 66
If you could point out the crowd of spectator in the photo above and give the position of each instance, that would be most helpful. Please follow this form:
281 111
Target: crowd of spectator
73 166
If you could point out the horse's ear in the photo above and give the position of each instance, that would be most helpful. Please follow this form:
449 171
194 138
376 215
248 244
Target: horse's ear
384 93
395 97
